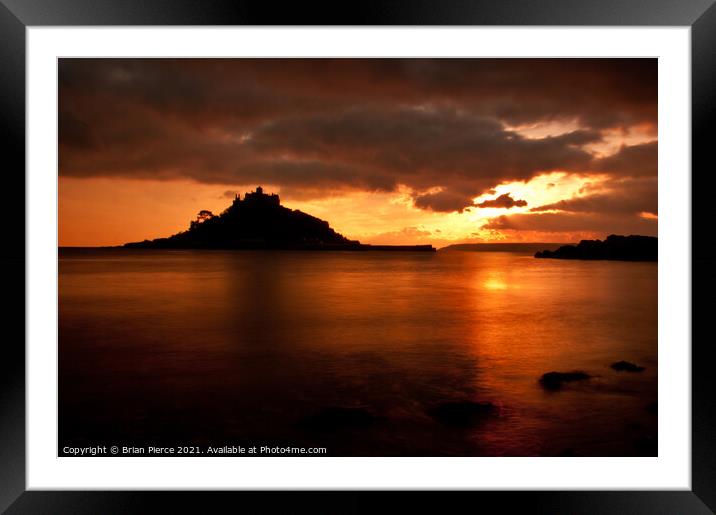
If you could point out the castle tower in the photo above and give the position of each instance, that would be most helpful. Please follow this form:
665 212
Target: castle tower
258 197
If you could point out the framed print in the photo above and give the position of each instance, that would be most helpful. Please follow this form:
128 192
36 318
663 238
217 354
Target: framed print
454 248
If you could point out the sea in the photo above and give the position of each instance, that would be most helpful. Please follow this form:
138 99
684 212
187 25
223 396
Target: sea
358 353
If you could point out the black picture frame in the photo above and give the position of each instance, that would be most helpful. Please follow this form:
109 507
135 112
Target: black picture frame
17 15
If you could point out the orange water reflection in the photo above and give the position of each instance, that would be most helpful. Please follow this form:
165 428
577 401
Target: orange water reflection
237 346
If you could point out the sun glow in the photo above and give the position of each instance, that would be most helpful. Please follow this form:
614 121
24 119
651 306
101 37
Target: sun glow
494 284
141 209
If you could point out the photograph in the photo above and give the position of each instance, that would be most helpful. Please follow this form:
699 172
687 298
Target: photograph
317 258
378 257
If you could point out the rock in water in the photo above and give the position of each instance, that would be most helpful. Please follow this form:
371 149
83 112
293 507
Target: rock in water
555 380
625 366
615 248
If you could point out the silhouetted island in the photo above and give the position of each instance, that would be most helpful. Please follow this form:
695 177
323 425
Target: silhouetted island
616 248
259 221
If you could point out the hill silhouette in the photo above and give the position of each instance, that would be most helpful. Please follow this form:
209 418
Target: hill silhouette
615 248
259 221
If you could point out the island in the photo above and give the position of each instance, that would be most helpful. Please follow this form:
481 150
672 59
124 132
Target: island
259 221
615 248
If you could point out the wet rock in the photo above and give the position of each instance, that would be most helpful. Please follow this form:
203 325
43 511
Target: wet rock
462 414
625 366
555 380
337 418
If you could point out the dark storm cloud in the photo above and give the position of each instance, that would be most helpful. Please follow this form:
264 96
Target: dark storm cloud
504 201
632 161
599 92
445 201
373 124
615 205
618 196
574 222
75 133
422 148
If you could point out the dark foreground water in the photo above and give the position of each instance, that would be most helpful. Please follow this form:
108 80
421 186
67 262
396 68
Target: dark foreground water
358 352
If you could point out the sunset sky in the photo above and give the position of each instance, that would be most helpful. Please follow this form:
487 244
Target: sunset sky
394 151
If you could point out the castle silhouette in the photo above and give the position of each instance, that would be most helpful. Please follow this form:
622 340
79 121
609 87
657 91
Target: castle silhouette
258 197
259 221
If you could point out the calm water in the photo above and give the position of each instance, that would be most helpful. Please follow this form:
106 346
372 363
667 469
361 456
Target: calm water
254 348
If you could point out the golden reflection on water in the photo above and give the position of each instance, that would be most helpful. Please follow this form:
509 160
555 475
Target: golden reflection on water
241 345
494 283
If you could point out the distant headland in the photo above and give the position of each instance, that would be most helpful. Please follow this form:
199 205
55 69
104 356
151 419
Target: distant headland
615 248
501 247
259 221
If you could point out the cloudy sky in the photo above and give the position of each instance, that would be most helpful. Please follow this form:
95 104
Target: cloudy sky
387 150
